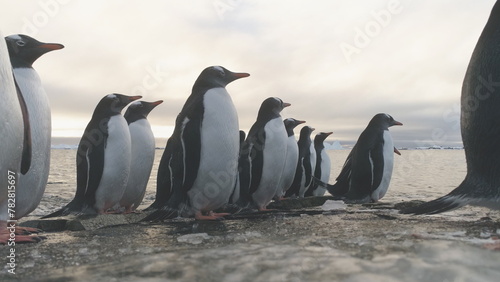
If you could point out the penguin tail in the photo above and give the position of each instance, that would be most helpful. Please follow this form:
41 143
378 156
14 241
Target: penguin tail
162 214
72 207
332 189
439 205
62 212
455 199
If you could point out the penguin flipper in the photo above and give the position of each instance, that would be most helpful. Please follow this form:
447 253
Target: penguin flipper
27 151
72 207
295 187
164 177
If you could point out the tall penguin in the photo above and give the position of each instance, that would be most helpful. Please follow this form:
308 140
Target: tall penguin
292 158
263 155
305 165
24 51
197 172
479 119
367 172
103 159
323 165
11 140
143 153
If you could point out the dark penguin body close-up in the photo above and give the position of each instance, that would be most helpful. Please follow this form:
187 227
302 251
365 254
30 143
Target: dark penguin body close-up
35 166
103 159
143 153
479 121
367 171
197 171
305 166
263 156
323 165
292 158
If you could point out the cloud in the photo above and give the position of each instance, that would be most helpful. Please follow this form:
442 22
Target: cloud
412 67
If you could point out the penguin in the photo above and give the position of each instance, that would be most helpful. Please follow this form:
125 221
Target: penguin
479 117
305 165
263 156
367 171
143 153
292 157
11 138
198 169
323 165
236 193
103 159
24 51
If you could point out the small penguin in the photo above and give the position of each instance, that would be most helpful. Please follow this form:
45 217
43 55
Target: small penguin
143 153
367 172
198 169
323 165
24 51
479 117
292 158
305 166
263 155
11 140
103 159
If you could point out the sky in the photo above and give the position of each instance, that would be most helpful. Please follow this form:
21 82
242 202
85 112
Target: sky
338 62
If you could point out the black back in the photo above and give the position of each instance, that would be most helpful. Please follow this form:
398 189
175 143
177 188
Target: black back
319 139
304 163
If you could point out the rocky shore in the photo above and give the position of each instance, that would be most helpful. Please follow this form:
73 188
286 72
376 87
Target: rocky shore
303 240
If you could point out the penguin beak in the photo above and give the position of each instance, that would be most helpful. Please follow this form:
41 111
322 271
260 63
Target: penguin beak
397 151
397 123
133 98
301 121
328 133
286 105
50 46
237 75
157 103
312 129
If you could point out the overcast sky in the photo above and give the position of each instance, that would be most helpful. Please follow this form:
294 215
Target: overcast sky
338 62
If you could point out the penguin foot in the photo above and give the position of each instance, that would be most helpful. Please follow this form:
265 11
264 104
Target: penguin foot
264 209
26 230
210 216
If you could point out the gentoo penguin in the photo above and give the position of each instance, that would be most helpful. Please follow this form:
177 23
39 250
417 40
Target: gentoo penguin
103 159
479 119
24 51
305 165
197 171
292 158
323 165
11 138
235 196
367 172
263 155
143 153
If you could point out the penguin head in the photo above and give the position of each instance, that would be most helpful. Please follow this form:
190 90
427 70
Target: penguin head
272 107
140 109
114 103
217 76
383 121
305 132
320 137
25 50
291 123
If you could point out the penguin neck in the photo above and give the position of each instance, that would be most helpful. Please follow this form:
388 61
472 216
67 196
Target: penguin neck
265 116
133 118
18 63
319 144
289 131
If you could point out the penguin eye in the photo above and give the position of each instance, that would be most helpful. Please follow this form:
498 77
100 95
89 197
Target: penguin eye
20 43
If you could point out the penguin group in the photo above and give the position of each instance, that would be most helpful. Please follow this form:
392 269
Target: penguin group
209 162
